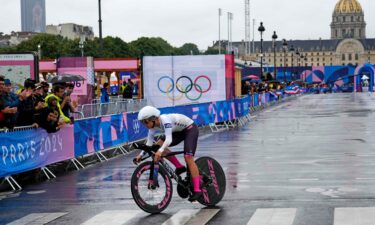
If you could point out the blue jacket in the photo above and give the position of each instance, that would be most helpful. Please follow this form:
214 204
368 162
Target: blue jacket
104 97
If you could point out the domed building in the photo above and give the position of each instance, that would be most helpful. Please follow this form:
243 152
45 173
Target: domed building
348 44
348 20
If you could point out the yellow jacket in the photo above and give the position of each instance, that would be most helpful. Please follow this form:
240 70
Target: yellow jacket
65 118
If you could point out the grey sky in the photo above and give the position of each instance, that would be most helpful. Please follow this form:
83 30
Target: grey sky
195 21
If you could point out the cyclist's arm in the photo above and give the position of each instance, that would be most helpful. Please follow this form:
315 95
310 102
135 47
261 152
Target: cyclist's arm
150 139
168 136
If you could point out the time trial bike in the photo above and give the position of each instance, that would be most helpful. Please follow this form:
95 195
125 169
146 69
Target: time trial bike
151 183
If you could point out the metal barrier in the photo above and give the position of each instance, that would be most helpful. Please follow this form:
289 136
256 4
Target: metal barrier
15 129
115 107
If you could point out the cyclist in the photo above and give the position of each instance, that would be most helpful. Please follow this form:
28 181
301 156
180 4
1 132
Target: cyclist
177 128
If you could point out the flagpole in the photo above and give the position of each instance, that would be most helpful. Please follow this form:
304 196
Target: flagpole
219 31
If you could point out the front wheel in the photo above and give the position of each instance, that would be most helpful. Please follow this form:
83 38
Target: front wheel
151 200
213 179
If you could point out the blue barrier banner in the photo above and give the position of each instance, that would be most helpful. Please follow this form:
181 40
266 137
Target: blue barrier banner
96 134
34 148
136 130
242 106
256 100
224 111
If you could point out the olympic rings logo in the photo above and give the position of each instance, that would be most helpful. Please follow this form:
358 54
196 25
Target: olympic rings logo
184 85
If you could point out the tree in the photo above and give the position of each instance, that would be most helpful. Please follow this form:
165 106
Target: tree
52 46
151 46
187 49
211 51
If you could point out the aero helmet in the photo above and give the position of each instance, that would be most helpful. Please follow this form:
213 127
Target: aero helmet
148 112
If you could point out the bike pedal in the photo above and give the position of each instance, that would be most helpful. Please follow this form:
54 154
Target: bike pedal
152 186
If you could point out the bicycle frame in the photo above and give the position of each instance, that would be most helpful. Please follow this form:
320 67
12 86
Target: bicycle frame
169 169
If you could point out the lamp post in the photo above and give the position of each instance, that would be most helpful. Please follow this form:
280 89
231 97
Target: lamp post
302 56
219 31
100 29
81 46
292 49
285 48
274 37
40 51
304 74
261 29
298 55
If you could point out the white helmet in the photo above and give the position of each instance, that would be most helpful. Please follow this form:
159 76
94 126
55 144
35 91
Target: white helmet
148 112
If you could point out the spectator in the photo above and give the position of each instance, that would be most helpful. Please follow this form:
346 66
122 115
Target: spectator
39 102
246 88
12 101
45 86
58 93
104 94
128 90
5 112
26 107
50 117
67 104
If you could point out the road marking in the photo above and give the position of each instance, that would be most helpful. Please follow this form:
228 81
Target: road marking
364 178
112 217
304 179
181 217
203 217
273 216
37 218
354 216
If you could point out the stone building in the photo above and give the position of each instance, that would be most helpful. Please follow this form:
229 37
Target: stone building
348 44
71 31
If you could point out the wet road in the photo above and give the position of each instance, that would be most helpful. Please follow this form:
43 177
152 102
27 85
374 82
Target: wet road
310 161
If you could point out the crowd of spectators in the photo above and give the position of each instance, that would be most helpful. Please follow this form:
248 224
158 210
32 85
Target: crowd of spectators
33 105
261 87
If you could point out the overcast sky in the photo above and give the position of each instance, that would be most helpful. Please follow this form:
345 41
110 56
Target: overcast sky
193 21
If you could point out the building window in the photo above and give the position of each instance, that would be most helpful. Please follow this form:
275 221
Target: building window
343 19
360 32
350 56
336 33
356 56
352 18
343 57
343 32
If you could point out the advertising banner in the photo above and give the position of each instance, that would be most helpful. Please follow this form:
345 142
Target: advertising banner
95 134
181 80
34 148
19 67
79 66
136 130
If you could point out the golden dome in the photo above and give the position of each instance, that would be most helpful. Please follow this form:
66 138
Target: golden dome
348 6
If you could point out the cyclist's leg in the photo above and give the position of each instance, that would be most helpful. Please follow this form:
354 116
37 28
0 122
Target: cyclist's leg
173 159
190 146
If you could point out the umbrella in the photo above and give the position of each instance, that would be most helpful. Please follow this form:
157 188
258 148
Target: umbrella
64 78
251 77
365 77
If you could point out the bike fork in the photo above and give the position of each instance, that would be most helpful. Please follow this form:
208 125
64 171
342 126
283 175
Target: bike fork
153 178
